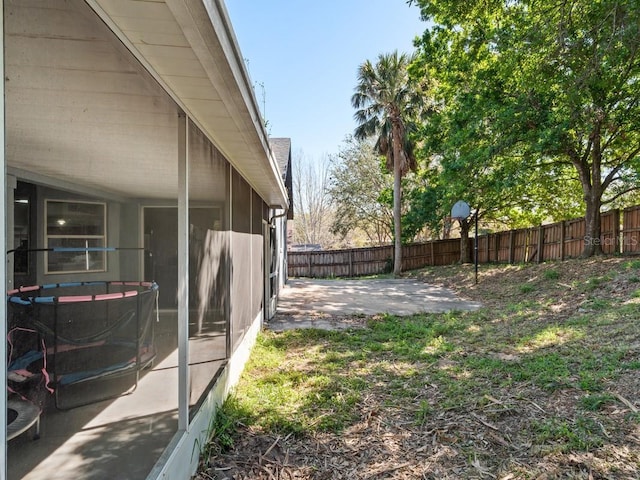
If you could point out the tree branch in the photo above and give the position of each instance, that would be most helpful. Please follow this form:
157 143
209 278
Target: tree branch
611 176
619 194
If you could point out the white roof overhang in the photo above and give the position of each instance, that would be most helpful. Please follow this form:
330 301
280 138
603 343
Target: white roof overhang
189 47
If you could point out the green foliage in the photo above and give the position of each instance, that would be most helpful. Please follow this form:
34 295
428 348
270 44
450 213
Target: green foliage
423 208
424 412
594 283
634 365
549 371
597 303
526 288
359 188
590 381
633 417
582 435
312 380
228 418
538 105
595 402
633 264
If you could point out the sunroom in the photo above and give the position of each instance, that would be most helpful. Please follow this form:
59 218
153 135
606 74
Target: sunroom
144 209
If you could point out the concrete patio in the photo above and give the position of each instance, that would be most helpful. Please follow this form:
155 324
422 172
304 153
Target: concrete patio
315 303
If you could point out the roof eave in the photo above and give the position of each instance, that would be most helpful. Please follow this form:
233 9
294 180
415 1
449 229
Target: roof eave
207 53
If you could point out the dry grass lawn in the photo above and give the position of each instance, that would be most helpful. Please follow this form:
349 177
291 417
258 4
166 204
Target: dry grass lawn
543 382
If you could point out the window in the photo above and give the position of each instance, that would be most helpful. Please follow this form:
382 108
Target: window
76 235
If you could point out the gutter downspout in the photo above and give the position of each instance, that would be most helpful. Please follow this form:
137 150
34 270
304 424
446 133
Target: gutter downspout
280 215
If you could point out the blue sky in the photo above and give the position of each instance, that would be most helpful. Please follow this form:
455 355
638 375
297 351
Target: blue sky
303 56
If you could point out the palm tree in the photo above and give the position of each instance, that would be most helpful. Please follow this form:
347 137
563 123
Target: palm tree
385 101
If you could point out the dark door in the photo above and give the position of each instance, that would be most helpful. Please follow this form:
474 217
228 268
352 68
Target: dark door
24 214
161 242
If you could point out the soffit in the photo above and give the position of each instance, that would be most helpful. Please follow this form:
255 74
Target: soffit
190 48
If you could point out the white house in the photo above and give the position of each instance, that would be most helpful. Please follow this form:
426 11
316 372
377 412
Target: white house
135 160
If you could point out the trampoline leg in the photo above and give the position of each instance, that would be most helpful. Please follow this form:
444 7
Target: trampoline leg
36 435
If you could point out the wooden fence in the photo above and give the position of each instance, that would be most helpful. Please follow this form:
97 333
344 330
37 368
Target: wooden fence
620 233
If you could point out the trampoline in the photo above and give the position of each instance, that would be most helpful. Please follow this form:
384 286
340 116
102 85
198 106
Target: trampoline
91 338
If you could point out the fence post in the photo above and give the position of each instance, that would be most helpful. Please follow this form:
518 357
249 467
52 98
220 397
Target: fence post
616 231
309 262
488 237
540 243
512 241
562 240
351 263
433 258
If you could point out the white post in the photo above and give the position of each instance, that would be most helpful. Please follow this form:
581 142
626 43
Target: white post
183 272
3 274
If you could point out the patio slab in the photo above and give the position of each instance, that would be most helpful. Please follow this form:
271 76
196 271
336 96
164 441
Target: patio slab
319 303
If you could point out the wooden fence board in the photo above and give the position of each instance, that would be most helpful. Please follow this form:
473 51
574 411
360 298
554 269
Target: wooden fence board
494 248
503 246
574 237
520 245
631 230
533 245
417 255
552 245
555 241
610 231
483 242
446 252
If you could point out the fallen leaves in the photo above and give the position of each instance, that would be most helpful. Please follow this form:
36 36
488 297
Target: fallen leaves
498 433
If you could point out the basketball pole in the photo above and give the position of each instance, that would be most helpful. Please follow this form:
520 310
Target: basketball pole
475 246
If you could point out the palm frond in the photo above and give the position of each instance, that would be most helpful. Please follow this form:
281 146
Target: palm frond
385 96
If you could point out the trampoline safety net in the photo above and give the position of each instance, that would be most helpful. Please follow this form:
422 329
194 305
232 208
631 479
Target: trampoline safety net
89 340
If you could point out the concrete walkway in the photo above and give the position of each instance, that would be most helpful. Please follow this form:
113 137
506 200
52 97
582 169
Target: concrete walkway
316 303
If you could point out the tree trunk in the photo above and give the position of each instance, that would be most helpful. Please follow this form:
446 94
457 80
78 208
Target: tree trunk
446 229
592 241
398 171
592 188
465 254
397 219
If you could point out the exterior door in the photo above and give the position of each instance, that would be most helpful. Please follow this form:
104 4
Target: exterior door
24 235
161 263
270 271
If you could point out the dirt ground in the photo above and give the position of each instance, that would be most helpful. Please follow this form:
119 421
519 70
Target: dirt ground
491 439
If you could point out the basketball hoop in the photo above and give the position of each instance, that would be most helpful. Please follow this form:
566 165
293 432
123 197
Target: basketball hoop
460 210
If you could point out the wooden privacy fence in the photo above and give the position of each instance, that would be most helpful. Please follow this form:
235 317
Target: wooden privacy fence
620 233
555 241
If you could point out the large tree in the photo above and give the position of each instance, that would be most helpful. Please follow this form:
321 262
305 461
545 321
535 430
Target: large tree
553 84
386 102
357 187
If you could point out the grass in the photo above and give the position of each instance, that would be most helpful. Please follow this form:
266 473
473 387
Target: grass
560 435
596 402
312 380
541 370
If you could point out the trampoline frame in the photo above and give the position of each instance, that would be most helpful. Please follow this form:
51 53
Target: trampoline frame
28 416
